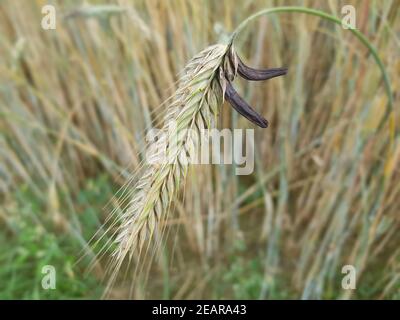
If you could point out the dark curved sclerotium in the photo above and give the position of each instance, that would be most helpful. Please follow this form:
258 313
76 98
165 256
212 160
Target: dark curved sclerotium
243 108
252 74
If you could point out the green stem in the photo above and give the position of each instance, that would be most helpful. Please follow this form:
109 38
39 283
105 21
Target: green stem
336 20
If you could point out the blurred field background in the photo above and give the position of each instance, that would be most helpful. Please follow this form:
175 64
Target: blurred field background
74 103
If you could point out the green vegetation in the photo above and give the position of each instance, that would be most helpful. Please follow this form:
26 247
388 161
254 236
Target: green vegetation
31 241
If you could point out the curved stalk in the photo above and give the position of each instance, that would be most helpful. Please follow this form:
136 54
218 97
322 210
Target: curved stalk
360 36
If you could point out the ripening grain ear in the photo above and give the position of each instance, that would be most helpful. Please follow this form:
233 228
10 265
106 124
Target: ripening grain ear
194 106
205 82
